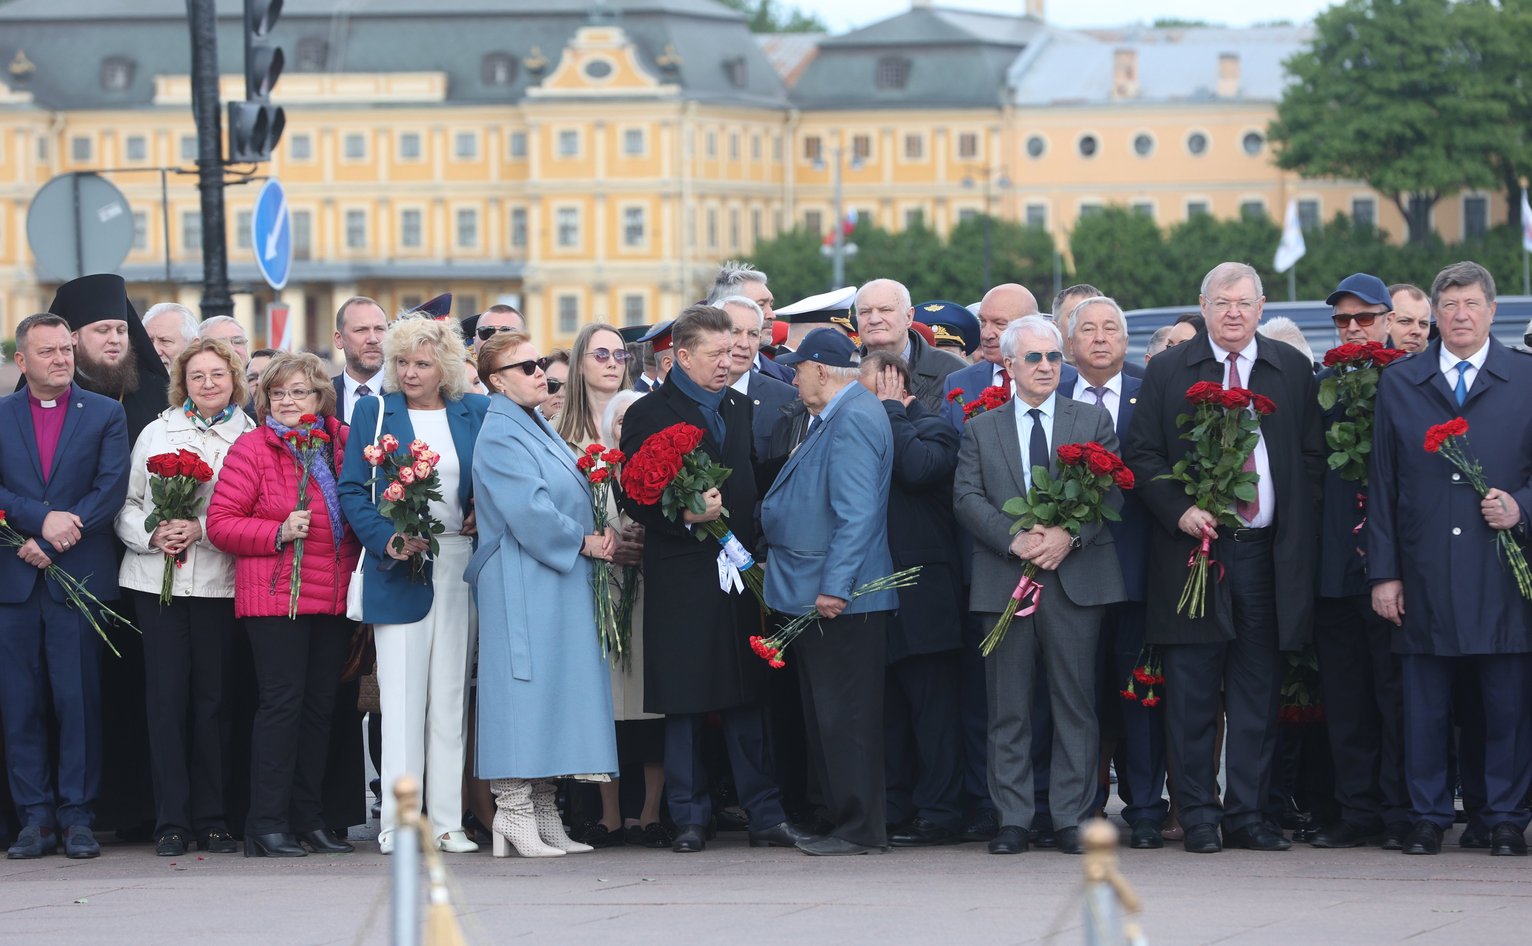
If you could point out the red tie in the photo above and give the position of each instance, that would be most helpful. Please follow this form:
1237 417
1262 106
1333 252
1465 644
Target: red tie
1005 379
1247 511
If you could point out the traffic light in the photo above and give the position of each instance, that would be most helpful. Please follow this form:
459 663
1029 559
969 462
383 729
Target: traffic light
255 125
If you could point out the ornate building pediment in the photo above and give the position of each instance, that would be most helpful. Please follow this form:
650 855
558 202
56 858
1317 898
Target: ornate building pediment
601 60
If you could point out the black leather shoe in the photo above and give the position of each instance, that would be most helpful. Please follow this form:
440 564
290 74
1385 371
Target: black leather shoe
1507 840
273 845
689 839
33 841
217 841
1044 838
783 834
1424 838
984 826
1146 835
80 843
922 833
324 841
1257 837
1202 839
1345 834
1069 840
1474 837
1010 840
170 844
831 846
732 818
1394 835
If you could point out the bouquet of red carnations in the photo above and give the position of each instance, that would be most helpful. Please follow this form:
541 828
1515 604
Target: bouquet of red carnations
412 484
173 482
1076 497
1451 441
988 399
770 648
672 471
1149 673
79 596
1225 428
597 463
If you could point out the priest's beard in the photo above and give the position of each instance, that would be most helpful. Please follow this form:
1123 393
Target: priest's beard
111 380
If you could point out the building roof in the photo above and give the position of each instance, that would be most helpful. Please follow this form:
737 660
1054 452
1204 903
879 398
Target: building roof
790 53
952 59
1172 65
706 48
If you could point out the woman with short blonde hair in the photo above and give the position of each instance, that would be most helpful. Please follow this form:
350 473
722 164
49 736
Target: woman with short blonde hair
444 346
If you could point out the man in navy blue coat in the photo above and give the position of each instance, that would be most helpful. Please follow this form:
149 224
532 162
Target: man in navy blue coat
1434 561
65 477
769 397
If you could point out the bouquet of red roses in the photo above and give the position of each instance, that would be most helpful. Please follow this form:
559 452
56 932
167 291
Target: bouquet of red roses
597 463
770 648
80 597
1073 499
1353 384
412 484
988 400
308 440
1225 428
1451 441
173 482
672 471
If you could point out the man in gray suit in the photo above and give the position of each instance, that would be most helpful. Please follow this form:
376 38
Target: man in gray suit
1080 574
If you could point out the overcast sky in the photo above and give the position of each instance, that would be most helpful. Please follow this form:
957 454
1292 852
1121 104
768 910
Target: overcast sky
842 15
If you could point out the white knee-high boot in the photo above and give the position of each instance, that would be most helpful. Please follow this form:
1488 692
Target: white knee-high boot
515 823
550 827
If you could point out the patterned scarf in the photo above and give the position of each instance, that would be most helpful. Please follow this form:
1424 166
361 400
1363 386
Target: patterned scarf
320 468
208 424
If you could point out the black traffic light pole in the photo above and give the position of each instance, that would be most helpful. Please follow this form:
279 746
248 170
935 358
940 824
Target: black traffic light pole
207 110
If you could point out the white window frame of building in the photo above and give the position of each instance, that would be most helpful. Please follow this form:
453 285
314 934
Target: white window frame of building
467 303
1142 144
1482 203
635 226
1310 213
1253 208
1092 150
968 146
861 147
755 225
516 146
411 228
1042 146
634 308
567 306
710 142
733 146
301 147
566 227
568 143
814 221
350 153
410 147
913 217
755 146
1087 208
354 228
733 228
1143 207
1036 216
1207 142
82 148
465 224
635 142
1245 142
191 231
1198 207
918 140
516 229
1371 215
140 231
303 234
966 214
813 148
465 146
188 147
135 148
711 215
242 229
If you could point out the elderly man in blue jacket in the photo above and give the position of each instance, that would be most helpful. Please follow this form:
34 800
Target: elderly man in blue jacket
826 521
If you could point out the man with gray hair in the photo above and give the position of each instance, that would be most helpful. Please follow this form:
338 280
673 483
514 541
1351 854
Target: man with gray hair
228 329
738 278
770 398
1284 329
171 327
1263 541
884 316
1000 449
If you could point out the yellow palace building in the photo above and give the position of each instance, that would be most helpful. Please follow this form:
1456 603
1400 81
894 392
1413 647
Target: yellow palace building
596 159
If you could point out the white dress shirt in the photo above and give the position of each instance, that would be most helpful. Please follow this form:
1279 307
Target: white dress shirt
742 384
1112 399
1266 494
1024 431
374 386
1449 365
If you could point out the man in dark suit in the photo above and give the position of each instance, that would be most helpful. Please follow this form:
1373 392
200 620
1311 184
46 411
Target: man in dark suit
1080 571
697 635
65 480
884 315
1433 557
1236 645
1099 336
769 398
1357 666
360 325
922 754
1065 305
738 278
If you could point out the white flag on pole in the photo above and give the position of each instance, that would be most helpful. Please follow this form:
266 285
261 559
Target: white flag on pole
1292 247
1526 222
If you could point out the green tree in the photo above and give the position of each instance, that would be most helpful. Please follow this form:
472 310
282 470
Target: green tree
1018 253
793 264
1391 92
766 16
1123 253
1501 33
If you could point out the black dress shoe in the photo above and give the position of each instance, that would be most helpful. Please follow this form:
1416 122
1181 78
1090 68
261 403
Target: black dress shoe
1507 840
170 844
273 845
1069 840
1044 838
782 834
922 833
689 839
831 846
1010 840
1202 839
217 841
324 841
1474 837
1146 835
1257 837
984 826
1394 835
80 843
1424 838
731 819
1344 834
33 841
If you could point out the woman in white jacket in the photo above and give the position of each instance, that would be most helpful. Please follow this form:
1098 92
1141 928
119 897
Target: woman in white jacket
184 642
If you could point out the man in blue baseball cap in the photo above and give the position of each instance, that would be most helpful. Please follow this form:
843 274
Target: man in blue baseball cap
1361 305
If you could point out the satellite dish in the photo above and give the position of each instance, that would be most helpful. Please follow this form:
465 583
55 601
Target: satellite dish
78 224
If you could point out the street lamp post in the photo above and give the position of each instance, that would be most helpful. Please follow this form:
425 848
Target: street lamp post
839 249
994 179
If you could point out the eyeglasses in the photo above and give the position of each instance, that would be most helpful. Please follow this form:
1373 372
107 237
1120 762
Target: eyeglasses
528 368
1036 357
604 355
1220 306
490 331
555 385
1363 319
291 394
199 378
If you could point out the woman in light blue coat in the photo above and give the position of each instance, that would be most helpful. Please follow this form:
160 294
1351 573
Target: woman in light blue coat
545 695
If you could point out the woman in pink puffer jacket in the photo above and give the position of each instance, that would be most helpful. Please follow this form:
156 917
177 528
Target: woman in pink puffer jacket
297 661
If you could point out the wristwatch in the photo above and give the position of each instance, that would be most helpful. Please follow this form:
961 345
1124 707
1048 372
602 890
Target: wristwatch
1074 542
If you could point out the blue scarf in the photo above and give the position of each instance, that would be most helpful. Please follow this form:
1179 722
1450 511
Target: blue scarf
709 402
320 468
208 423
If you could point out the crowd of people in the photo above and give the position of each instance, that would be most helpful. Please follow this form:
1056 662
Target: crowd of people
865 436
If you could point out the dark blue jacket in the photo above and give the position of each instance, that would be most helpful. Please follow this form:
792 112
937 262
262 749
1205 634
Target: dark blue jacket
769 398
923 531
1132 533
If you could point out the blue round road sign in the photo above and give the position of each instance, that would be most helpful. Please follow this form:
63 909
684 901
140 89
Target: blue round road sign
271 235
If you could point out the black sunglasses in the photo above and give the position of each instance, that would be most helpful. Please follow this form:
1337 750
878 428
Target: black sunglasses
490 331
528 368
1363 319
554 385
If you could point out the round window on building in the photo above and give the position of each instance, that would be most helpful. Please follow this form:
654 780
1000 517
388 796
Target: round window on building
1088 146
1253 142
598 69
1036 145
1197 143
1143 144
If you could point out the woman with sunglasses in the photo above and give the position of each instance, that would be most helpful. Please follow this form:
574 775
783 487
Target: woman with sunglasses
558 377
545 696
598 369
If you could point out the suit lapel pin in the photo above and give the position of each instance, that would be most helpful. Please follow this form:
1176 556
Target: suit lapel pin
79 403
1132 400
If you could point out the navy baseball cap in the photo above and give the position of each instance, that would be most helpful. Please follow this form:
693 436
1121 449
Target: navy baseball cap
1365 286
824 346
